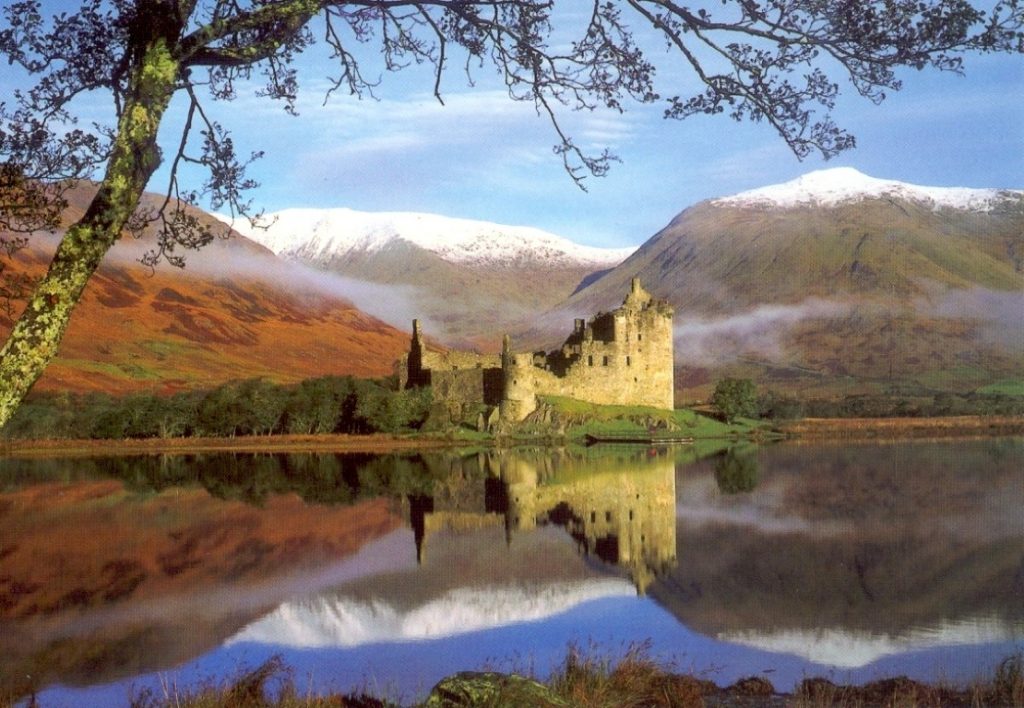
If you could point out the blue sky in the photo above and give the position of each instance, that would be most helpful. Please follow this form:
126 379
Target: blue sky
483 156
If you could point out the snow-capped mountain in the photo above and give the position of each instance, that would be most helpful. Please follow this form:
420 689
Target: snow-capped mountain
326 234
470 281
832 277
344 622
841 185
853 649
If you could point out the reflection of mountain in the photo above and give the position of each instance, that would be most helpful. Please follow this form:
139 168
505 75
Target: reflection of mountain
853 649
485 563
98 583
862 550
341 621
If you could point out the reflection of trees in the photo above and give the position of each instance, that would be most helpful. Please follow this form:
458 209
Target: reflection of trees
252 477
618 505
736 471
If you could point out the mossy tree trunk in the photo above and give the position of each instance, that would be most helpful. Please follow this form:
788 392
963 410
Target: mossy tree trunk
37 334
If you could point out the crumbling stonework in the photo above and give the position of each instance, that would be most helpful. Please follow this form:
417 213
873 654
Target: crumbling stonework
623 357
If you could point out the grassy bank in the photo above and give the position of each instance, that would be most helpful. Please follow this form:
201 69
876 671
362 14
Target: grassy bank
586 682
869 428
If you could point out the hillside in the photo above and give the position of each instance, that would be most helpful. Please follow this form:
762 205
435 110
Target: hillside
470 281
235 311
834 283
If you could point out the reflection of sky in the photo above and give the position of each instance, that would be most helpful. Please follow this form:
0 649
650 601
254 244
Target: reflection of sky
344 622
454 626
407 670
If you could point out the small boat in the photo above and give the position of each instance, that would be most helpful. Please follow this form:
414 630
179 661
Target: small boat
638 438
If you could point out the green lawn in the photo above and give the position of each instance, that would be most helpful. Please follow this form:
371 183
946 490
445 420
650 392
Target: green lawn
1009 387
584 418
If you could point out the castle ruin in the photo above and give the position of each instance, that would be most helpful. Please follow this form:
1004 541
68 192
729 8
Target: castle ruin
623 357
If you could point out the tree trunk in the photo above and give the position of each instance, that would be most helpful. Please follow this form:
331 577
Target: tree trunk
37 334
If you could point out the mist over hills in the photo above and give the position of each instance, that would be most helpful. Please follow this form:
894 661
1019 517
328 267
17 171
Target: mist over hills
236 311
470 280
833 283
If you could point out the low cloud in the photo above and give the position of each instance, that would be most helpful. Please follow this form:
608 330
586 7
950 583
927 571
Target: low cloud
1000 313
395 305
760 331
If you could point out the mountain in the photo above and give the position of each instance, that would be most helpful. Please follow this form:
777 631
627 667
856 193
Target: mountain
83 607
833 283
235 311
470 280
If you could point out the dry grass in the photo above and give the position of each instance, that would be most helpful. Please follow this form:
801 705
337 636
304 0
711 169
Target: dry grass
635 681
270 684
950 426
1005 688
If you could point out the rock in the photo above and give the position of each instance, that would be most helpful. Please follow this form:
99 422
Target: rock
752 686
472 688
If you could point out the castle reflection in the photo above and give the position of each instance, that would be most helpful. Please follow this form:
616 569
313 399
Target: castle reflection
619 507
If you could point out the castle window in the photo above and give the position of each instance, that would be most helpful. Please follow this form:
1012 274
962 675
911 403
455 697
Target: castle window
593 516
605 362
628 360
607 516
639 336
630 514
590 360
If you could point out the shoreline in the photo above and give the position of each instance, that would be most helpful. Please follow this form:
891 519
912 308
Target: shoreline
901 428
805 429
376 442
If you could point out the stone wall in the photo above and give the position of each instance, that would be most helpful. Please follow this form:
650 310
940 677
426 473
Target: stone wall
620 358
623 357
626 517
456 377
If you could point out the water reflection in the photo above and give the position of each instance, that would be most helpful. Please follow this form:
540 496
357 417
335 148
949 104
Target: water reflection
873 559
847 554
185 552
620 510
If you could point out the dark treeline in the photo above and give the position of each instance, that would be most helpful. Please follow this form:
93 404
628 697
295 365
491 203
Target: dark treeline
780 407
322 478
251 407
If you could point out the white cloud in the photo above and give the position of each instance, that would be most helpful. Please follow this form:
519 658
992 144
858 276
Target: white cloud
758 331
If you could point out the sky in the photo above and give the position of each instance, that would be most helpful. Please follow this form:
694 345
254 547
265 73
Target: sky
483 156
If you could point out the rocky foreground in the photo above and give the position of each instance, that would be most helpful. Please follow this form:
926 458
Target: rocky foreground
634 682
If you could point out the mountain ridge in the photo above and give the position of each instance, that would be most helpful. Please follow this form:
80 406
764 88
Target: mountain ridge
855 296
838 185
469 281
319 234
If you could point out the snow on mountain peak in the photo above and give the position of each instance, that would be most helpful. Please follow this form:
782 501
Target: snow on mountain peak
844 184
327 233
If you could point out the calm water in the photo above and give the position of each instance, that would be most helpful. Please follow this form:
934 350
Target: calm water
387 573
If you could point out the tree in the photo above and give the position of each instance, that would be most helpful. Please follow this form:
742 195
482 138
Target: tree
761 60
736 472
735 398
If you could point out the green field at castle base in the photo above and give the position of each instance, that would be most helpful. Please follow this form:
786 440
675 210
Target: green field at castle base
582 419
1008 387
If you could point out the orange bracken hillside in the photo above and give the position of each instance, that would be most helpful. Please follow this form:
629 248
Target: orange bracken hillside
122 592
236 311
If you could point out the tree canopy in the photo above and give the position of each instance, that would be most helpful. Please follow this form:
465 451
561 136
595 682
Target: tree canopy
772 61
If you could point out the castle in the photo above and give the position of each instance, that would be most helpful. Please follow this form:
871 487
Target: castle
621 357
620 510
